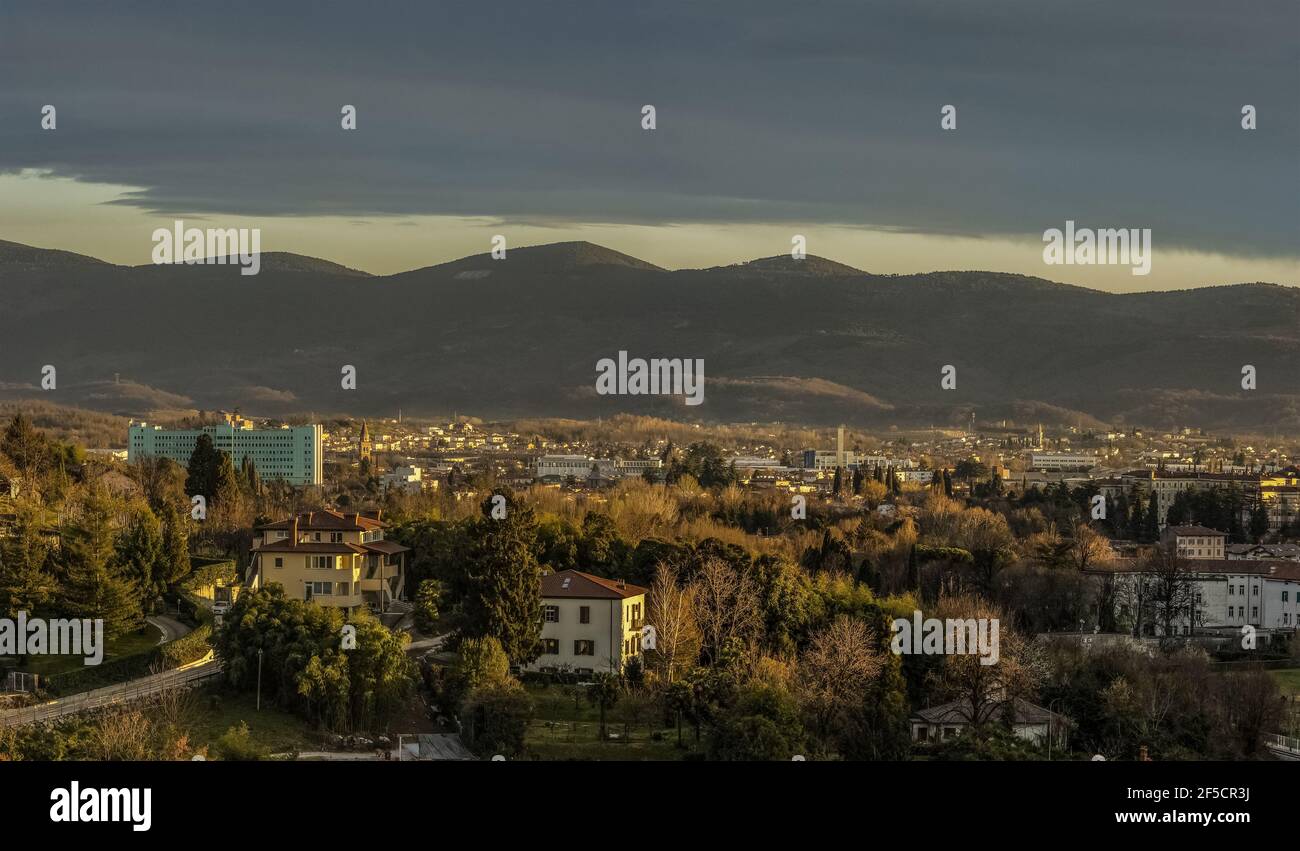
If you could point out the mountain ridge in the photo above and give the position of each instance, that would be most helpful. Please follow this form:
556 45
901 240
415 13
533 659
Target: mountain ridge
521 337
572 255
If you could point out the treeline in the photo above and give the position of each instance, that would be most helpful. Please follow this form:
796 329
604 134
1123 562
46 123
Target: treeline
762 657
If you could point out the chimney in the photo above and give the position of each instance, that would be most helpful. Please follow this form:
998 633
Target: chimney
293 531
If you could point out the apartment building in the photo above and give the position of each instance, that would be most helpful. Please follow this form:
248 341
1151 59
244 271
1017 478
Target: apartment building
558 468
1196 541
1280 491
589 624
580 467
1167 485
331 558
1221 594
407 479
1061 461
289 453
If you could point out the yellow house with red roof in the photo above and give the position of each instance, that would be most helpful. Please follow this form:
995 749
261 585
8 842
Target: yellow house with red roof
331 558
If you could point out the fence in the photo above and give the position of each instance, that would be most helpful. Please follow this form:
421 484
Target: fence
195 672
1290 745
20 681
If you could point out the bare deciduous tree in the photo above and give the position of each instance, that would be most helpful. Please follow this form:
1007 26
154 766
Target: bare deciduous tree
726 606
1088 548
836 671
1170 589
984 689
672 614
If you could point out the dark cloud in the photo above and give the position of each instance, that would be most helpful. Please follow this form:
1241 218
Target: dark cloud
1110 112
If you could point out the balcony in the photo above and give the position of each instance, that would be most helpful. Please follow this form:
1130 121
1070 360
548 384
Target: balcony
338 600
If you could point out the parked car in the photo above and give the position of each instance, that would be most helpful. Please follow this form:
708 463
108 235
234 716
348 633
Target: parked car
220 607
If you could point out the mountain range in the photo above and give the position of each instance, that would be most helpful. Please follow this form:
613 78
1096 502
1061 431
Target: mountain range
810 341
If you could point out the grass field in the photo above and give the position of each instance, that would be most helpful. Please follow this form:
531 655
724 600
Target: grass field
125 645
274 730
567 727
1288 680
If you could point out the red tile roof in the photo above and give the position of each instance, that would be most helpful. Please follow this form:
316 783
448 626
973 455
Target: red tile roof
1267 567
575 583
327 519
310 547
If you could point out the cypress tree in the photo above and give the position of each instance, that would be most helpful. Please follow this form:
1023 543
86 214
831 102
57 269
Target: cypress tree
205 460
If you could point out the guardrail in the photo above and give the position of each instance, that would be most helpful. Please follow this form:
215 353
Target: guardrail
122 693
1290 744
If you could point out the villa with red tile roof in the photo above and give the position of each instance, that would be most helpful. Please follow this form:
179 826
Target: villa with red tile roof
589 624
331 558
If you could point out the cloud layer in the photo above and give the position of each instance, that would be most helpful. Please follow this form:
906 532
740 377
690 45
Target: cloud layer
1109 113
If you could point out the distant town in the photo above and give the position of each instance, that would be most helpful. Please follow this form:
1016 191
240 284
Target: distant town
560 588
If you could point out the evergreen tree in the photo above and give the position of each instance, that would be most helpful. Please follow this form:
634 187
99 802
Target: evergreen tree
95 586
226 491
1119 515
1259 522
251 481
1151 523
139 555
26 447
502 582
175 555
26 579
97 591
201 475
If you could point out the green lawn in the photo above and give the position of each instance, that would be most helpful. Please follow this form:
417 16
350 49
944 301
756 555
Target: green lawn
569 729
125 645
1288 680
275 730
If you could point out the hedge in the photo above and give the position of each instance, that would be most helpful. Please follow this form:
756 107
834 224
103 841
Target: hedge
164 657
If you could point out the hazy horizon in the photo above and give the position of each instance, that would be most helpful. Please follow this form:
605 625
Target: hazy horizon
702 256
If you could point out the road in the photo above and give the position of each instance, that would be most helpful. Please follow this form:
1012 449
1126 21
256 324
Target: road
434 643
171 628
114 694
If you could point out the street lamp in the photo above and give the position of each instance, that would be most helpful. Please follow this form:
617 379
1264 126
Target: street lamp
259 679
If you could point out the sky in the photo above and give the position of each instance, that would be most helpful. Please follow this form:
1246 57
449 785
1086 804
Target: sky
772 119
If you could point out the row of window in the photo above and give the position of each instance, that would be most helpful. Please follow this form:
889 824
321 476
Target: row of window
325 589
314 562
319 537
551 614
581 647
